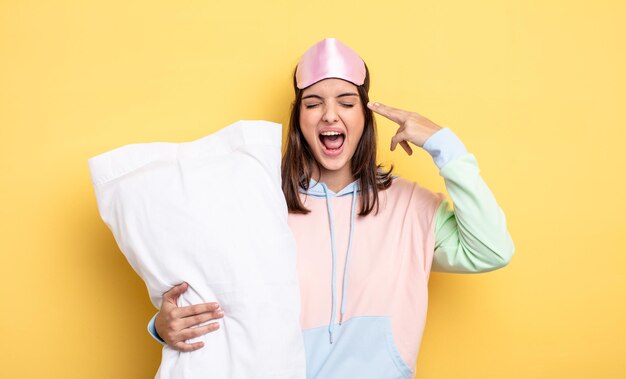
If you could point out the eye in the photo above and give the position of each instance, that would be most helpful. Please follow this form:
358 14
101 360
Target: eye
307 106
347 105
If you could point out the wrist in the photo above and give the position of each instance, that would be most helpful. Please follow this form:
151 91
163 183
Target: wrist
444 146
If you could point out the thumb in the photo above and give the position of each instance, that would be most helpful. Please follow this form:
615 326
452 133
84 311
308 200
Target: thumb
173 294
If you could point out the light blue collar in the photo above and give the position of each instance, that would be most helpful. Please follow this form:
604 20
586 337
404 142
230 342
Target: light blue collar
316 189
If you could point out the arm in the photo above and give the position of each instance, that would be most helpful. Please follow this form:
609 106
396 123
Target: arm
472 237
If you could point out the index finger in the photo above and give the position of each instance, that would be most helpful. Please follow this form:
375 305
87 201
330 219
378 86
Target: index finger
196 309
394 114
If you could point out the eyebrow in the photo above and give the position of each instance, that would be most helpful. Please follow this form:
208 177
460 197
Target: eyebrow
342 95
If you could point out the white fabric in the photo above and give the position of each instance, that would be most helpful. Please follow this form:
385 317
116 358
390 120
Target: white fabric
211 212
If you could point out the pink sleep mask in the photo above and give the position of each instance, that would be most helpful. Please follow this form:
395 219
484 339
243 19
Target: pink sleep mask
329 58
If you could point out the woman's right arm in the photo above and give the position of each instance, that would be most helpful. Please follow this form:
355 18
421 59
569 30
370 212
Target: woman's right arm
173 325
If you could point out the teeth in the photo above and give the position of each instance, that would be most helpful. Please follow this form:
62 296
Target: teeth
330 133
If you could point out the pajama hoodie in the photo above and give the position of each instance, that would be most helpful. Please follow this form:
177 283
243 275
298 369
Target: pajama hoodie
364 280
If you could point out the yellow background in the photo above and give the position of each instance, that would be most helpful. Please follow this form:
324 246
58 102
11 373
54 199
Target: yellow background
535 89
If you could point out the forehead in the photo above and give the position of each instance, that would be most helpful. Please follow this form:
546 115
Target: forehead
330 87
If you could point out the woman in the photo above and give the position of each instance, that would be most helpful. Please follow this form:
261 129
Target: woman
366 240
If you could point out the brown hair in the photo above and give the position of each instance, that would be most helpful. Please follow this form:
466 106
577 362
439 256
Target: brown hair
298 158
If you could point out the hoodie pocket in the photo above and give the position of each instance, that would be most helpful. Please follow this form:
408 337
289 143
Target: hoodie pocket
363 347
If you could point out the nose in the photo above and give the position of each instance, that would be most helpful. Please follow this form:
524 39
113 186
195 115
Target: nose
330 114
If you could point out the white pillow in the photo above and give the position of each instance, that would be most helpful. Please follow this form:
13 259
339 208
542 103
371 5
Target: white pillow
212 213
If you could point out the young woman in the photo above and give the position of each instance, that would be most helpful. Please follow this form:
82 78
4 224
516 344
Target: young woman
366 240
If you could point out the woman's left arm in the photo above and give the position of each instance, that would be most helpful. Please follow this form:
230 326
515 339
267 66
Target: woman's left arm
473 236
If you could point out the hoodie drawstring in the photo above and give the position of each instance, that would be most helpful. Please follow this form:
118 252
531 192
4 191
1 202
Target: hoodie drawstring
331 326
345 272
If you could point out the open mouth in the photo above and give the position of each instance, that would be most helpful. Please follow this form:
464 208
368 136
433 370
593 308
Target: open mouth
332 141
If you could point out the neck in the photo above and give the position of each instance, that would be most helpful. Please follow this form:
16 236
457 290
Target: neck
336 180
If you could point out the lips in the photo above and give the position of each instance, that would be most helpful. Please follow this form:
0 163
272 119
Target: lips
332 141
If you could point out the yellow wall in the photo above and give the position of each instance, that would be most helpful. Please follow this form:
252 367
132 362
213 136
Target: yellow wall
535 89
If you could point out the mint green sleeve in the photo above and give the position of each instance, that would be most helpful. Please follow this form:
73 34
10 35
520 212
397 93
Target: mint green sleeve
472 236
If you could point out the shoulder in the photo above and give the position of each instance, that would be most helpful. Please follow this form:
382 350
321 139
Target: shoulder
414 194
400 186
404 186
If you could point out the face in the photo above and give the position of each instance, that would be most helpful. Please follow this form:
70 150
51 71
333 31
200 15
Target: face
332 122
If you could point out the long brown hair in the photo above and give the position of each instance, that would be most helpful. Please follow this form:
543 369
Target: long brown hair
298 158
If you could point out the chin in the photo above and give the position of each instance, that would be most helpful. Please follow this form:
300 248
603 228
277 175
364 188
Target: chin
332 165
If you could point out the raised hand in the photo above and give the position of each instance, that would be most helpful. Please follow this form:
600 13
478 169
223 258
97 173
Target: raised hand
414 127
